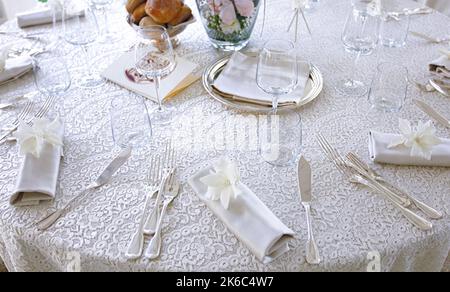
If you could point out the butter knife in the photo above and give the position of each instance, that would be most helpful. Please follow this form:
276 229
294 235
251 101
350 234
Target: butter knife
432 113
304 183
102 179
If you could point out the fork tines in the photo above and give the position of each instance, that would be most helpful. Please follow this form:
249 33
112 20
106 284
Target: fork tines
333 155
169 157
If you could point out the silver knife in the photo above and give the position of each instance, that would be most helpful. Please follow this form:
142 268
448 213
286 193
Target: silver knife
439 88
432 113
304 183
102 179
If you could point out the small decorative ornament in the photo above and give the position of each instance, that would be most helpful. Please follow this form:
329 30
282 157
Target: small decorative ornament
421 140
298 6
32 139
224 183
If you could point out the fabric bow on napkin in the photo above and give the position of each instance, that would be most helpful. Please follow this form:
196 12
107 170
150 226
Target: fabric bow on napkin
42 147
220 188
238 81
417 146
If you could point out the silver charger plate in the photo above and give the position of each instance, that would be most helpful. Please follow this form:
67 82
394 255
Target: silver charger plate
313 89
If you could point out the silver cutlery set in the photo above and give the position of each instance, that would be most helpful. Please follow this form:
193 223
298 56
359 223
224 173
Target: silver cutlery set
163 183
356 171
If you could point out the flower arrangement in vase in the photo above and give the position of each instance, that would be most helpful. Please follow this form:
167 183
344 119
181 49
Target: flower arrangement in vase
229 23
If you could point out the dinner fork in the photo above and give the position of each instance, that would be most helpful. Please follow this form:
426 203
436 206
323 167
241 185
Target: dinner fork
351 175
41 113
427 210
22 116
170 193
167 166
154 179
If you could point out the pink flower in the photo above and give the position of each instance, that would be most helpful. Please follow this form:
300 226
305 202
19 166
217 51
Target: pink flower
227 12
215 5
245 7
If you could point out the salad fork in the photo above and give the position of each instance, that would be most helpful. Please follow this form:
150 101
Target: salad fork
170 193
22 116
154 178
167 167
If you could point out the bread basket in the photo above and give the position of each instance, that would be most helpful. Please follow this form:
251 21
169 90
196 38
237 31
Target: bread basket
173 31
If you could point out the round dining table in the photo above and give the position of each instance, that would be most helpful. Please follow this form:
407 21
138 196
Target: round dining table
355 228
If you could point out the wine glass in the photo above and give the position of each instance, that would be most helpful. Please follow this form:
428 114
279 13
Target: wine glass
106 35
51 77
360 37
155 59
81 29
277 72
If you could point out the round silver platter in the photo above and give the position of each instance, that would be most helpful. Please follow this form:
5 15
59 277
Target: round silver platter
313 89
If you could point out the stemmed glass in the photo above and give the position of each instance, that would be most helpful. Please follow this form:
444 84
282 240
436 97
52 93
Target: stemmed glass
51 77
106 35
277 72
155 59
82 31
360 37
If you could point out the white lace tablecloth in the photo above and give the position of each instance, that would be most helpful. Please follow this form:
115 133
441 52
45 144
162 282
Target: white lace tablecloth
350 222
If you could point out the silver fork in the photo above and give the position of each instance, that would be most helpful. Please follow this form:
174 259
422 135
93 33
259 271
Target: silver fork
427 210
167 167
22 116
170 193
154 179
42 112
357 173
354 177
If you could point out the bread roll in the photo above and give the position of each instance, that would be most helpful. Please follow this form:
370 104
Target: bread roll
163 11
133 4
146 21
184 14
139 13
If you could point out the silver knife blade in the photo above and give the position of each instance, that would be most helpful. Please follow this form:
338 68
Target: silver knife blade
432 113
304 180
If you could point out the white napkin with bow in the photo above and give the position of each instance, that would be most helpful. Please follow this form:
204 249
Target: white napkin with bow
248 219
38 175
15 67
401 155
238 79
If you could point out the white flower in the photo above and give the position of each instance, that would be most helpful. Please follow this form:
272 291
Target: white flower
421 141
31 139
228 29
224 183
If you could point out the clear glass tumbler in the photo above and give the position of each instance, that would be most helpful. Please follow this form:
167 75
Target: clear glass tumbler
389 87
394 32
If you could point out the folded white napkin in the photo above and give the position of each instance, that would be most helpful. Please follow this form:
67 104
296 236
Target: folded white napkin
37 17
238 79
41 16
14 67
38 175
442 63
401 155
248 219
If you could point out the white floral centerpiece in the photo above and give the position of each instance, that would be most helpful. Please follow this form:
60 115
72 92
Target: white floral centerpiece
229 23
